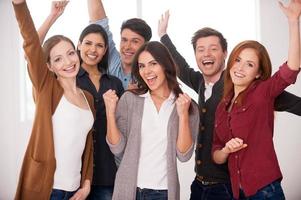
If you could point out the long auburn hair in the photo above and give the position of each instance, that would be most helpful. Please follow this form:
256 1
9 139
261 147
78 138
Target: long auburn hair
265 66
164 58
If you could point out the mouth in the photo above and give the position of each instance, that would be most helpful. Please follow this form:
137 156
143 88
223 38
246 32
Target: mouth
92 56
207 62
239 75
151 80
128 54
70 69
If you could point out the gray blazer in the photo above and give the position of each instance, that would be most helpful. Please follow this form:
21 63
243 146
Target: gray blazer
129 117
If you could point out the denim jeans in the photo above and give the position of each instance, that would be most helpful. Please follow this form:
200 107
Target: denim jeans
149 194
61 194
219 191
100 192
272 191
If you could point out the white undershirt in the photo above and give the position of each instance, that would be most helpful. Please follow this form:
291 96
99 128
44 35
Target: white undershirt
208 90
71 125
152 168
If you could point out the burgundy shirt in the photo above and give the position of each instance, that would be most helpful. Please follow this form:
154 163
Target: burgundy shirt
255 166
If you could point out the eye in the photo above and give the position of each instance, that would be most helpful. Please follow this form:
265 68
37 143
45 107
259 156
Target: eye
250 65
153 63
141 66
71 53
87 43
58 59
237 60
101 46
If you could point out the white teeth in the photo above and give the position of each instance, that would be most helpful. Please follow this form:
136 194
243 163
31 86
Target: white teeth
128 53
92 56
69 68
239 75
207 62
151 77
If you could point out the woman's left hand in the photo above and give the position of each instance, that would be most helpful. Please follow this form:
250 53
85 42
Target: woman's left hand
183 103
82 193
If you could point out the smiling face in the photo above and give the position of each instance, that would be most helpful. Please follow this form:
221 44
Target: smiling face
63 60
152 72
210 57
245 69
92 49
129 44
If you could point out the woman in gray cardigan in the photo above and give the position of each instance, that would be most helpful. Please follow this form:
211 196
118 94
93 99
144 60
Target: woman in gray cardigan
150 127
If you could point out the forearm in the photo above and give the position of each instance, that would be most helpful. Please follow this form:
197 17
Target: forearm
96 10
184 140
220 157
294 44
113 133
45 27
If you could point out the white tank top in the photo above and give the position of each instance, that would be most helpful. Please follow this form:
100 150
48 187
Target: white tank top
71 125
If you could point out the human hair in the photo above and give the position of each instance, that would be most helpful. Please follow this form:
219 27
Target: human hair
51 42
97 29
206 32
264 63
138 26
161 54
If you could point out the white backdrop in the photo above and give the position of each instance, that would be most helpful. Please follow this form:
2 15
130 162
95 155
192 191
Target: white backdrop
268 25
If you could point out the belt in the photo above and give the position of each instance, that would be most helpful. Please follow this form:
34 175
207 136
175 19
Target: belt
201 180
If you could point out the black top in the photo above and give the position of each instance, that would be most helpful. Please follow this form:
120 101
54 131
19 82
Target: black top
205 167
104 168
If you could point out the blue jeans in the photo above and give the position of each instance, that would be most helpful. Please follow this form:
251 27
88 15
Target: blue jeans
219 191
272 191
100 193
61 194
149 194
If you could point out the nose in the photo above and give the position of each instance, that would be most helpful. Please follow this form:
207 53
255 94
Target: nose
67 61
127 44
93 48
207 52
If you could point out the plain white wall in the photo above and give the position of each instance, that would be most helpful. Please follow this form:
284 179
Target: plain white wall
14 135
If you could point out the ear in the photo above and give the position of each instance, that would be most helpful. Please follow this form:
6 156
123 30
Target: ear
79 44
49 67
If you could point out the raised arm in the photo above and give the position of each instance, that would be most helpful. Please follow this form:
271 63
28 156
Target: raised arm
96 10
97 15
292 12
186 74
57 9
37 67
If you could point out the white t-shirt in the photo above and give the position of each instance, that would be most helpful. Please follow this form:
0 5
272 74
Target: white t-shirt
71 125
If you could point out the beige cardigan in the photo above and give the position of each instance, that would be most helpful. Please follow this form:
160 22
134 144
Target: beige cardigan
129 117
37 172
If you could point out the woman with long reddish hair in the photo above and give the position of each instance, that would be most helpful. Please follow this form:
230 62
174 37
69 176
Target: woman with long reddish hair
245 117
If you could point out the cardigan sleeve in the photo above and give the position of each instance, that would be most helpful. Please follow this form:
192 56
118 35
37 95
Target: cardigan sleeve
34 54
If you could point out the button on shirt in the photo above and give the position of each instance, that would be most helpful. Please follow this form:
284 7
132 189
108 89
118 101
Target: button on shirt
104 164
255 166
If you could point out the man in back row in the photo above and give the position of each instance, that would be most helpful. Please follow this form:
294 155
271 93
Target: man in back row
212 181
134 33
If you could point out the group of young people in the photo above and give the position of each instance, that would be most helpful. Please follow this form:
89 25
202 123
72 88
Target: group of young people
111 125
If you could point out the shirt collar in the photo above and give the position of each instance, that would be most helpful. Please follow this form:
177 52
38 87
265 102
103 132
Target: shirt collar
170 98
83 72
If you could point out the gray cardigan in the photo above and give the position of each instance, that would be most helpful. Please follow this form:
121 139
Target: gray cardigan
129 117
